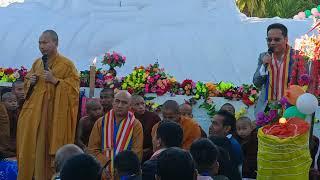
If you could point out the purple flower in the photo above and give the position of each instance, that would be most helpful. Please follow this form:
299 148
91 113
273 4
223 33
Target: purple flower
260 116
284 101
273 114
304 80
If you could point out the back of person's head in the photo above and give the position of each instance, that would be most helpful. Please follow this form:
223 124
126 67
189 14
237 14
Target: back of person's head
229 120
205 155
81 167
170 134
64 153
127 164
174 164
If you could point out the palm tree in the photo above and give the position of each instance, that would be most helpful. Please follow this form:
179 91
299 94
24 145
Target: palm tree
252 7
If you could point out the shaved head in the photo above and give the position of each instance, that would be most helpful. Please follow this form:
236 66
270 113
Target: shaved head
53 35
8 95
122 103
186 110
170 111
64 153
138 104
92 104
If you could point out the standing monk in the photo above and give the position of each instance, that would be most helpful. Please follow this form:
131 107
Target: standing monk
148 120
115 132
48 118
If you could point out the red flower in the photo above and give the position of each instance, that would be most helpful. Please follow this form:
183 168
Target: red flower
9 71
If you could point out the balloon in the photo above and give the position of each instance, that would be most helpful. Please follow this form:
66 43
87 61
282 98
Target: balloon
318 8
317 14
296 17
307 103
314 11
308 13
292 93
302 15
293 112
310 17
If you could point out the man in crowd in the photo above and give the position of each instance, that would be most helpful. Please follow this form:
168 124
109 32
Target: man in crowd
224 125
148 120
106 99
115 132
63 154
18 90
274 67
169 134
191 129
49 115
94 112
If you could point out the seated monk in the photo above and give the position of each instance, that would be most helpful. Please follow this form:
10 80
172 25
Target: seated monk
115 132
148 120
18 90
191 129
8 125
186 110
94 112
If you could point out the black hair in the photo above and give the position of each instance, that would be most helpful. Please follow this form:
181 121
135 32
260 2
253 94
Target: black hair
174 164
204 153
170 133
229 120
127 163
171 105
282 27
81 167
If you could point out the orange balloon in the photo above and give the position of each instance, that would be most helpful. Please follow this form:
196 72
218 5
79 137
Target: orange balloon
292 93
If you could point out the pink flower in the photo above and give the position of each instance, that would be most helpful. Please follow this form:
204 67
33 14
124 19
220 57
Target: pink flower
150 80
108 54
124 58
116 57
253 91
153 89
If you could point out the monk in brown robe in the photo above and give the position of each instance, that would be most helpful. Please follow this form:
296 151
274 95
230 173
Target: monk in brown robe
120 123
48 118
148 120
8 126
18 90
191 129
94 112
186 110
106 99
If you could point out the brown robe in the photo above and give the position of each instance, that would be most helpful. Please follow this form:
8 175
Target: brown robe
148 120
191 131
84 130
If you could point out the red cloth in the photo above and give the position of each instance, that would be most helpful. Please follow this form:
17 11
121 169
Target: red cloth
293 127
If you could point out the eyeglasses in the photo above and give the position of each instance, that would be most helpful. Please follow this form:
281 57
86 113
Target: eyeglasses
275 39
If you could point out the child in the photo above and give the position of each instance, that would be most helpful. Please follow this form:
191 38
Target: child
247 137
228 107
185 109
94 111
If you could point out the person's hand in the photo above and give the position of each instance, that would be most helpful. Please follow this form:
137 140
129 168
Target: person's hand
33 79
49 77
266 59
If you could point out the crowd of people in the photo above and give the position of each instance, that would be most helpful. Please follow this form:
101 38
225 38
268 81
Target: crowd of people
118 138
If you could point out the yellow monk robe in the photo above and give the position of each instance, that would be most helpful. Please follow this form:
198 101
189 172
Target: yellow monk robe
191 131
48 118
95 144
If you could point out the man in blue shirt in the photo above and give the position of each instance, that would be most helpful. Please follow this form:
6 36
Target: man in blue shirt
224 125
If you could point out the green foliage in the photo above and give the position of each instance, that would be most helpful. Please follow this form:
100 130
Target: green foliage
273 8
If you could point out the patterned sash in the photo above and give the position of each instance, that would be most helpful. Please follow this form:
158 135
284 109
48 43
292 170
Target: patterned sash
110 145
278 77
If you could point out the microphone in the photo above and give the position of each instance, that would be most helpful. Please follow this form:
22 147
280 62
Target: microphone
46 68
45 62
270 52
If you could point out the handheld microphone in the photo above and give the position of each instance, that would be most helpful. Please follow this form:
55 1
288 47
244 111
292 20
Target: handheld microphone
270 52
45 67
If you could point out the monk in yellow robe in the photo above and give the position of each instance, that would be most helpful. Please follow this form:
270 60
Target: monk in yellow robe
48 118
191 129
120 131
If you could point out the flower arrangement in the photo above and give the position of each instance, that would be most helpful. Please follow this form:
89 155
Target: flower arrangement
271 116
201 90
114 60
136 81
157 81
212 89
102 79
188 87
242 112
12 74
209 105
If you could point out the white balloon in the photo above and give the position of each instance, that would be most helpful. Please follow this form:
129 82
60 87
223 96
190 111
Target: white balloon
307 103
296 17
314 11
